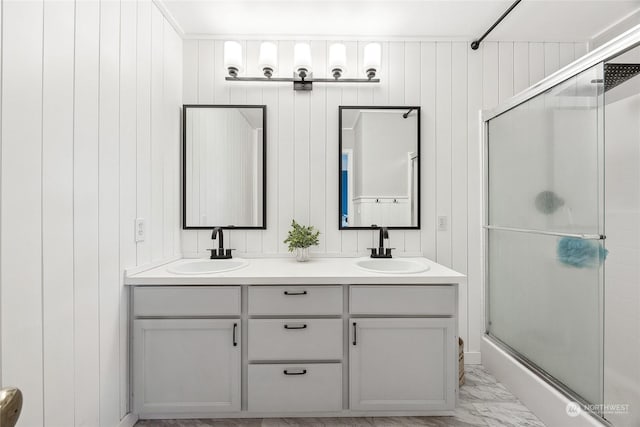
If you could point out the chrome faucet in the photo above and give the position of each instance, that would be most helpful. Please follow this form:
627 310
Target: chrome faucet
221 252
381 251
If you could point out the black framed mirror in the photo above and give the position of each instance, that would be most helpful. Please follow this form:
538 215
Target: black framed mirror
379 167
224 169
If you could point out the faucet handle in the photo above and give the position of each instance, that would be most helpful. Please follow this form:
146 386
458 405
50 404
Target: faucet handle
374 251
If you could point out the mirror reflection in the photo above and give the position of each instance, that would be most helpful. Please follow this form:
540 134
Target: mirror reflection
224 166
379 167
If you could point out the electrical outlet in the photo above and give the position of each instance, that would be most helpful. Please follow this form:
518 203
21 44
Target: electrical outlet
140 230
443 223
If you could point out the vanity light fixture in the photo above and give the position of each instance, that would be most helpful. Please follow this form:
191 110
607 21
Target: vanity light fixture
337 60
371 60
233 58
268 59
302 60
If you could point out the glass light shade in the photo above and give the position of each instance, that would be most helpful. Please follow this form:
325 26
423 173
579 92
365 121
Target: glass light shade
302 58
337 59
233 57
268 59
371 61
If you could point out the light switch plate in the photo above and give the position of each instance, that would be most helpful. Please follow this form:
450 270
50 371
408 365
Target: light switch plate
140 229
443 223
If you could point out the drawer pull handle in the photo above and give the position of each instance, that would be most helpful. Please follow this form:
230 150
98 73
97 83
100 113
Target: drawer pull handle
295 293
300 326
300 372
355 332
235 328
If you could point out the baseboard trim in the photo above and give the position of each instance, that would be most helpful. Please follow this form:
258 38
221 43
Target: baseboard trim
129 420
345 413
472 358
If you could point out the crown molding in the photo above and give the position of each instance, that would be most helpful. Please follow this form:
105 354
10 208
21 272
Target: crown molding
164 10
290 37
169 17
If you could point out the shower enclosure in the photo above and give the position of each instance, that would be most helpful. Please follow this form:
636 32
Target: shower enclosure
562 229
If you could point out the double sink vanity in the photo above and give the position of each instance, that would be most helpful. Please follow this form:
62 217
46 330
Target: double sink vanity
274 337
270 337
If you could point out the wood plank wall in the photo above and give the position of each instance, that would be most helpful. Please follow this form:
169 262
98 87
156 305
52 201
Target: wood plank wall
91 96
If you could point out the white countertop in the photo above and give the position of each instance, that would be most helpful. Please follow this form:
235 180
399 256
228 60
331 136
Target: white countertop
285 271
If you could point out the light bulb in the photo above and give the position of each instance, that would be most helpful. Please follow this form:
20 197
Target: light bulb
337 59
371 61
233 58
268 59
302 59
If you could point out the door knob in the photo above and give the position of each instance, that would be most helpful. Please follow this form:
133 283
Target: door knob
10 406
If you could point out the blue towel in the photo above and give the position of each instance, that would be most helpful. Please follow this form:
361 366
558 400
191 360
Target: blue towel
581 253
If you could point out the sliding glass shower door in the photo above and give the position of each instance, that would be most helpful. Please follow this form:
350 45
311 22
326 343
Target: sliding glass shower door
544 222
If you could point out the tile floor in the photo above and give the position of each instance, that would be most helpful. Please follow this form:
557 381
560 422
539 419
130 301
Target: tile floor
483 403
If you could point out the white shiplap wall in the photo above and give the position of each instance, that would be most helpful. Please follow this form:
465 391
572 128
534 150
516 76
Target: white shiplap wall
91 94
451 83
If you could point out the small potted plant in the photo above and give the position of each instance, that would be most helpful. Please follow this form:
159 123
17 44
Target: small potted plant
300 238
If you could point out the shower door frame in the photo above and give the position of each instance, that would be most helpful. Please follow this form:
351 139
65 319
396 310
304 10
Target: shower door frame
626 41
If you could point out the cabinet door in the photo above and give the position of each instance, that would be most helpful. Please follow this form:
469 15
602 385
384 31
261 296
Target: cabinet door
186 366
403 364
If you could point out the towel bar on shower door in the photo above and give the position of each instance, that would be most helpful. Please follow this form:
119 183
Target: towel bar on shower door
548 233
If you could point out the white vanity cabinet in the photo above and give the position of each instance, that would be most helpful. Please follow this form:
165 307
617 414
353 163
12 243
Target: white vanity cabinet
295 349
183 364
271 350
406 363
402 364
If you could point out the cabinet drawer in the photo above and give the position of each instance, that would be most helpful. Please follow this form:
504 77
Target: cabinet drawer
295 300
403 300
295 339
295 388
186 301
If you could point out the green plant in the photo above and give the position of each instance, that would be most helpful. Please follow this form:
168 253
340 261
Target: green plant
301 236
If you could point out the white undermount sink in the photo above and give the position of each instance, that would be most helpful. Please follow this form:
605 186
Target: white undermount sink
207 266
392 265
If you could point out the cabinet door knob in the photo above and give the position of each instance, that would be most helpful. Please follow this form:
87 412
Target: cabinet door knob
296 326
298 372
295 293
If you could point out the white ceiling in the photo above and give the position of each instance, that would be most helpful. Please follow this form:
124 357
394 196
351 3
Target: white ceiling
531 20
